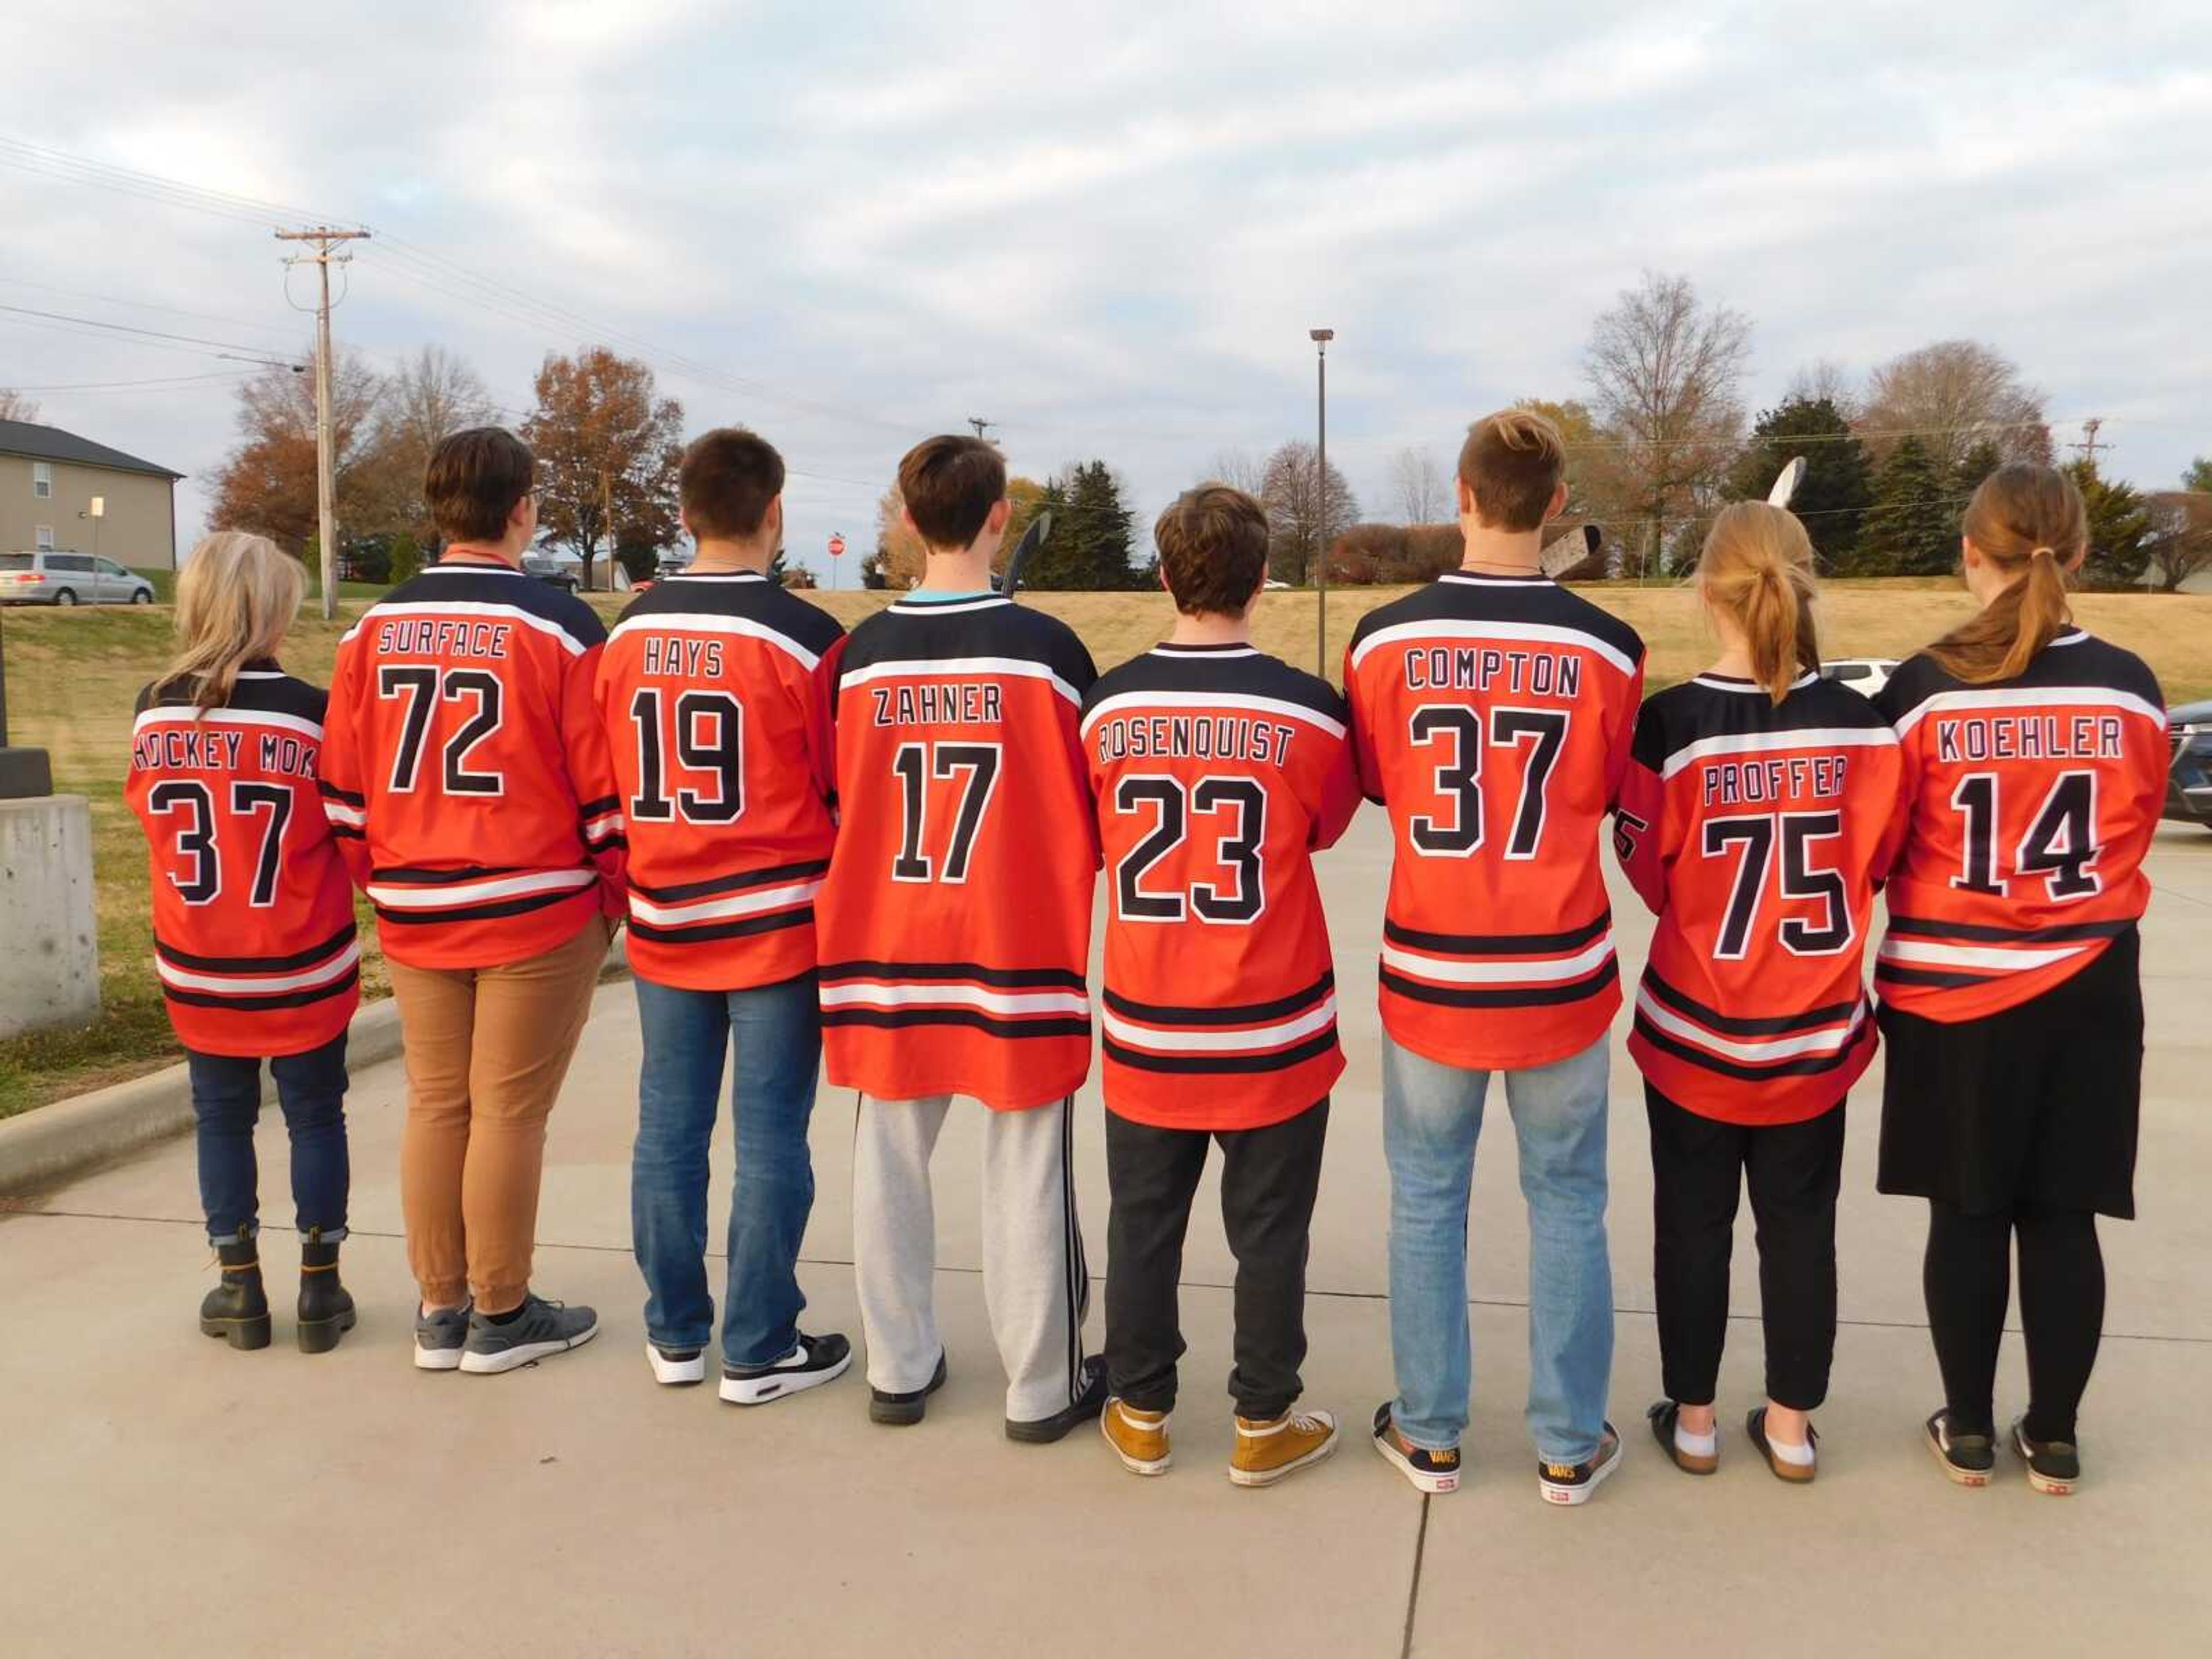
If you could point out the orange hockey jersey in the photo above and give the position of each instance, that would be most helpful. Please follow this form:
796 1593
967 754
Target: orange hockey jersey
465 769
253 930
2035 801
1758 835
1493 716
955 922
716 697
1217 773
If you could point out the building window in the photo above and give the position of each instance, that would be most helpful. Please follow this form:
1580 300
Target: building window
42 479
45 538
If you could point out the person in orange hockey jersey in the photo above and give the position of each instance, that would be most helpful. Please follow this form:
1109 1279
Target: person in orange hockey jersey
955 929
1218 772
253 928
1762 807
715 693
2011 993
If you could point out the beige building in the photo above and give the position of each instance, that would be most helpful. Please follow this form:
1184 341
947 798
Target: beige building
51 481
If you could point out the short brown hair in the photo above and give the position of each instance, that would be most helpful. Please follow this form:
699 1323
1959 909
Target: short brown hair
1213 550
949 486
473 482
728 478
1511 465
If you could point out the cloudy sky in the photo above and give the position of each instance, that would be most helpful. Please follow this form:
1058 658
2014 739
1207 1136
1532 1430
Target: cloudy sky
1107 229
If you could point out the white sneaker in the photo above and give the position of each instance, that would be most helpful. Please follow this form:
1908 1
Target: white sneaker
676 1368
815 1360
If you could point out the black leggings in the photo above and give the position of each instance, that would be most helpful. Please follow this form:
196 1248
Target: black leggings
1967 1276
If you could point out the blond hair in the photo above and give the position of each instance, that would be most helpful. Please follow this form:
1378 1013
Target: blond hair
2028 521
236 598
1511 465
1757 570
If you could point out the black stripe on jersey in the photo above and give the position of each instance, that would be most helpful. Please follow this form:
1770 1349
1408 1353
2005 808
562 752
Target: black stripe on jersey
1929 976
1981 932
1735 1025
1250 673
491 912
466 582
768 604
343 983
277 693
1539 601
1492 945
1005 978
347 831
1809 1066
743 927
1280 1060
2071 661
1700 709
1502 996
331 791
708 889
600 808
1250 1013
899 1020
309 958
906 631
414 875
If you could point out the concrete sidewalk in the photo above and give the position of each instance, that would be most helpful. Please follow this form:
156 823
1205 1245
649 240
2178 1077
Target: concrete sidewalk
159 1493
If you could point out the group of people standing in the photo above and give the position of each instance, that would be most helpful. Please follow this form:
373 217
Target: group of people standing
880 850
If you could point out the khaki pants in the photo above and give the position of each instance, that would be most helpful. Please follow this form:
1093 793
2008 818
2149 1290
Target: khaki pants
487 1050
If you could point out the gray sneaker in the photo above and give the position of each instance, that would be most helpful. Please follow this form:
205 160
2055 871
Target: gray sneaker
440 1337
542 1329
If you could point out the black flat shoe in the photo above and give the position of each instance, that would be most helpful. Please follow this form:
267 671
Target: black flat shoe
1797 1475
1043 1431
903 1410
1662 1418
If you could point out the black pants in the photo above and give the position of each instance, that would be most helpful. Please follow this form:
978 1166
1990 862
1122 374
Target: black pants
1269 1180
1794 1171
1967 1276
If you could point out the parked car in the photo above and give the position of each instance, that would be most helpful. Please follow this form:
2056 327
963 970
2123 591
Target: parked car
58 576
550 570
1865 675
2189 785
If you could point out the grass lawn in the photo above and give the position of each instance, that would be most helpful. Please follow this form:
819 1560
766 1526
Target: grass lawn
72 677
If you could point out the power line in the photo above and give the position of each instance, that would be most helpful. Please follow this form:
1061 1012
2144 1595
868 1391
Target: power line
260 352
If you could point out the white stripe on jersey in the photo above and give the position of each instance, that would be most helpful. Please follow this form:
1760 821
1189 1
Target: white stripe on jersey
1208 702
721 905
954 668
470 610
703 622
1467 628
1766 742
259 984
1713 683
1215 1039
938 992
440 895
1894 949
2048 700
187 715
902 608
1831 1040
338 812
1503 971
605 824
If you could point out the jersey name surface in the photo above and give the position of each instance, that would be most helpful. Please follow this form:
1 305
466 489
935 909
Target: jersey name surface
976 703
2029 737
407 637
683 659
1794 777
1487 667
1193 736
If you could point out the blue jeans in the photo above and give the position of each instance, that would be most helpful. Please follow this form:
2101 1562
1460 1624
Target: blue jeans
778 1030
1431 1115
227 1101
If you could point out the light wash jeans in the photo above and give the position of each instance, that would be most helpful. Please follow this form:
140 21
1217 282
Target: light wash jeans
1432 1116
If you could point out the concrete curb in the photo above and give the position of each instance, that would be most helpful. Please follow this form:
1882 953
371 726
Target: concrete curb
48 1144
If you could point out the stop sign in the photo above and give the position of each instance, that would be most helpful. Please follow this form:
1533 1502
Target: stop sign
836 547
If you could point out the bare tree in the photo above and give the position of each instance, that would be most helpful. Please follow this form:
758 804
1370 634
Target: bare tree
899 555
267 482
1236 469
1952 395
1664 371
15 407
1298 515
1419 485
1825 378
2181 535
431 396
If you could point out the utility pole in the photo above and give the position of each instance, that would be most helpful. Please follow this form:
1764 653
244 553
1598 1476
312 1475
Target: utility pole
979 424
324 238
2089 446
1321 338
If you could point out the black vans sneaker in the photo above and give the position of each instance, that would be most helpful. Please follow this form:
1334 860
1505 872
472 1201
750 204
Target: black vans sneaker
815 1360
2054 1467
1573 1483
1429 1471
1089 1402
1966 1458
539 1330
899 1411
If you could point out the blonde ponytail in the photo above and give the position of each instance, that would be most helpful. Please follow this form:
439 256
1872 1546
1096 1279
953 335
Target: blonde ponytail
2029 523
236 597
1757 570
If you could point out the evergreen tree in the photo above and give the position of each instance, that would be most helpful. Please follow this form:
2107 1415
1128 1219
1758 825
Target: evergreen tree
1838 483
1912 526
1091 538
1976 465
2119 529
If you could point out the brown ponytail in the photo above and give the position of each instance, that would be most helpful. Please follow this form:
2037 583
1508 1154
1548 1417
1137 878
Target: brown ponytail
1757 570
2029 523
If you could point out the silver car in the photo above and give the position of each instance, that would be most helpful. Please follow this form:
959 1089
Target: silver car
58 576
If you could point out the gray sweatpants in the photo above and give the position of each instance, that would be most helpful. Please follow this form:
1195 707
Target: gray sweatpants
1034 1280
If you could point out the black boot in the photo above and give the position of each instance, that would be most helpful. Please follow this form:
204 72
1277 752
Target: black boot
326 1309
238 1309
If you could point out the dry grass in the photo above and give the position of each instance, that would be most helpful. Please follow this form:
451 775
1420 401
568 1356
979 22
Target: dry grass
72 677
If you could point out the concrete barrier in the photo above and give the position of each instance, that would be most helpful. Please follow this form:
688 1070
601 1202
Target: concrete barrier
49 947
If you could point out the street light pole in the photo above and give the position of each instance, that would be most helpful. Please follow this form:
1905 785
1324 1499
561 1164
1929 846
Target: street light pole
1321 338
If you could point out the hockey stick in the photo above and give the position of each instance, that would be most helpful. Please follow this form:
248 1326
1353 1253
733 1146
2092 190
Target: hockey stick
1040 527
1569 550
1786 482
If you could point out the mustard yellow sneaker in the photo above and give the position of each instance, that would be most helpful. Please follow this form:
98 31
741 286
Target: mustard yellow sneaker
1139 1438
1266 1450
